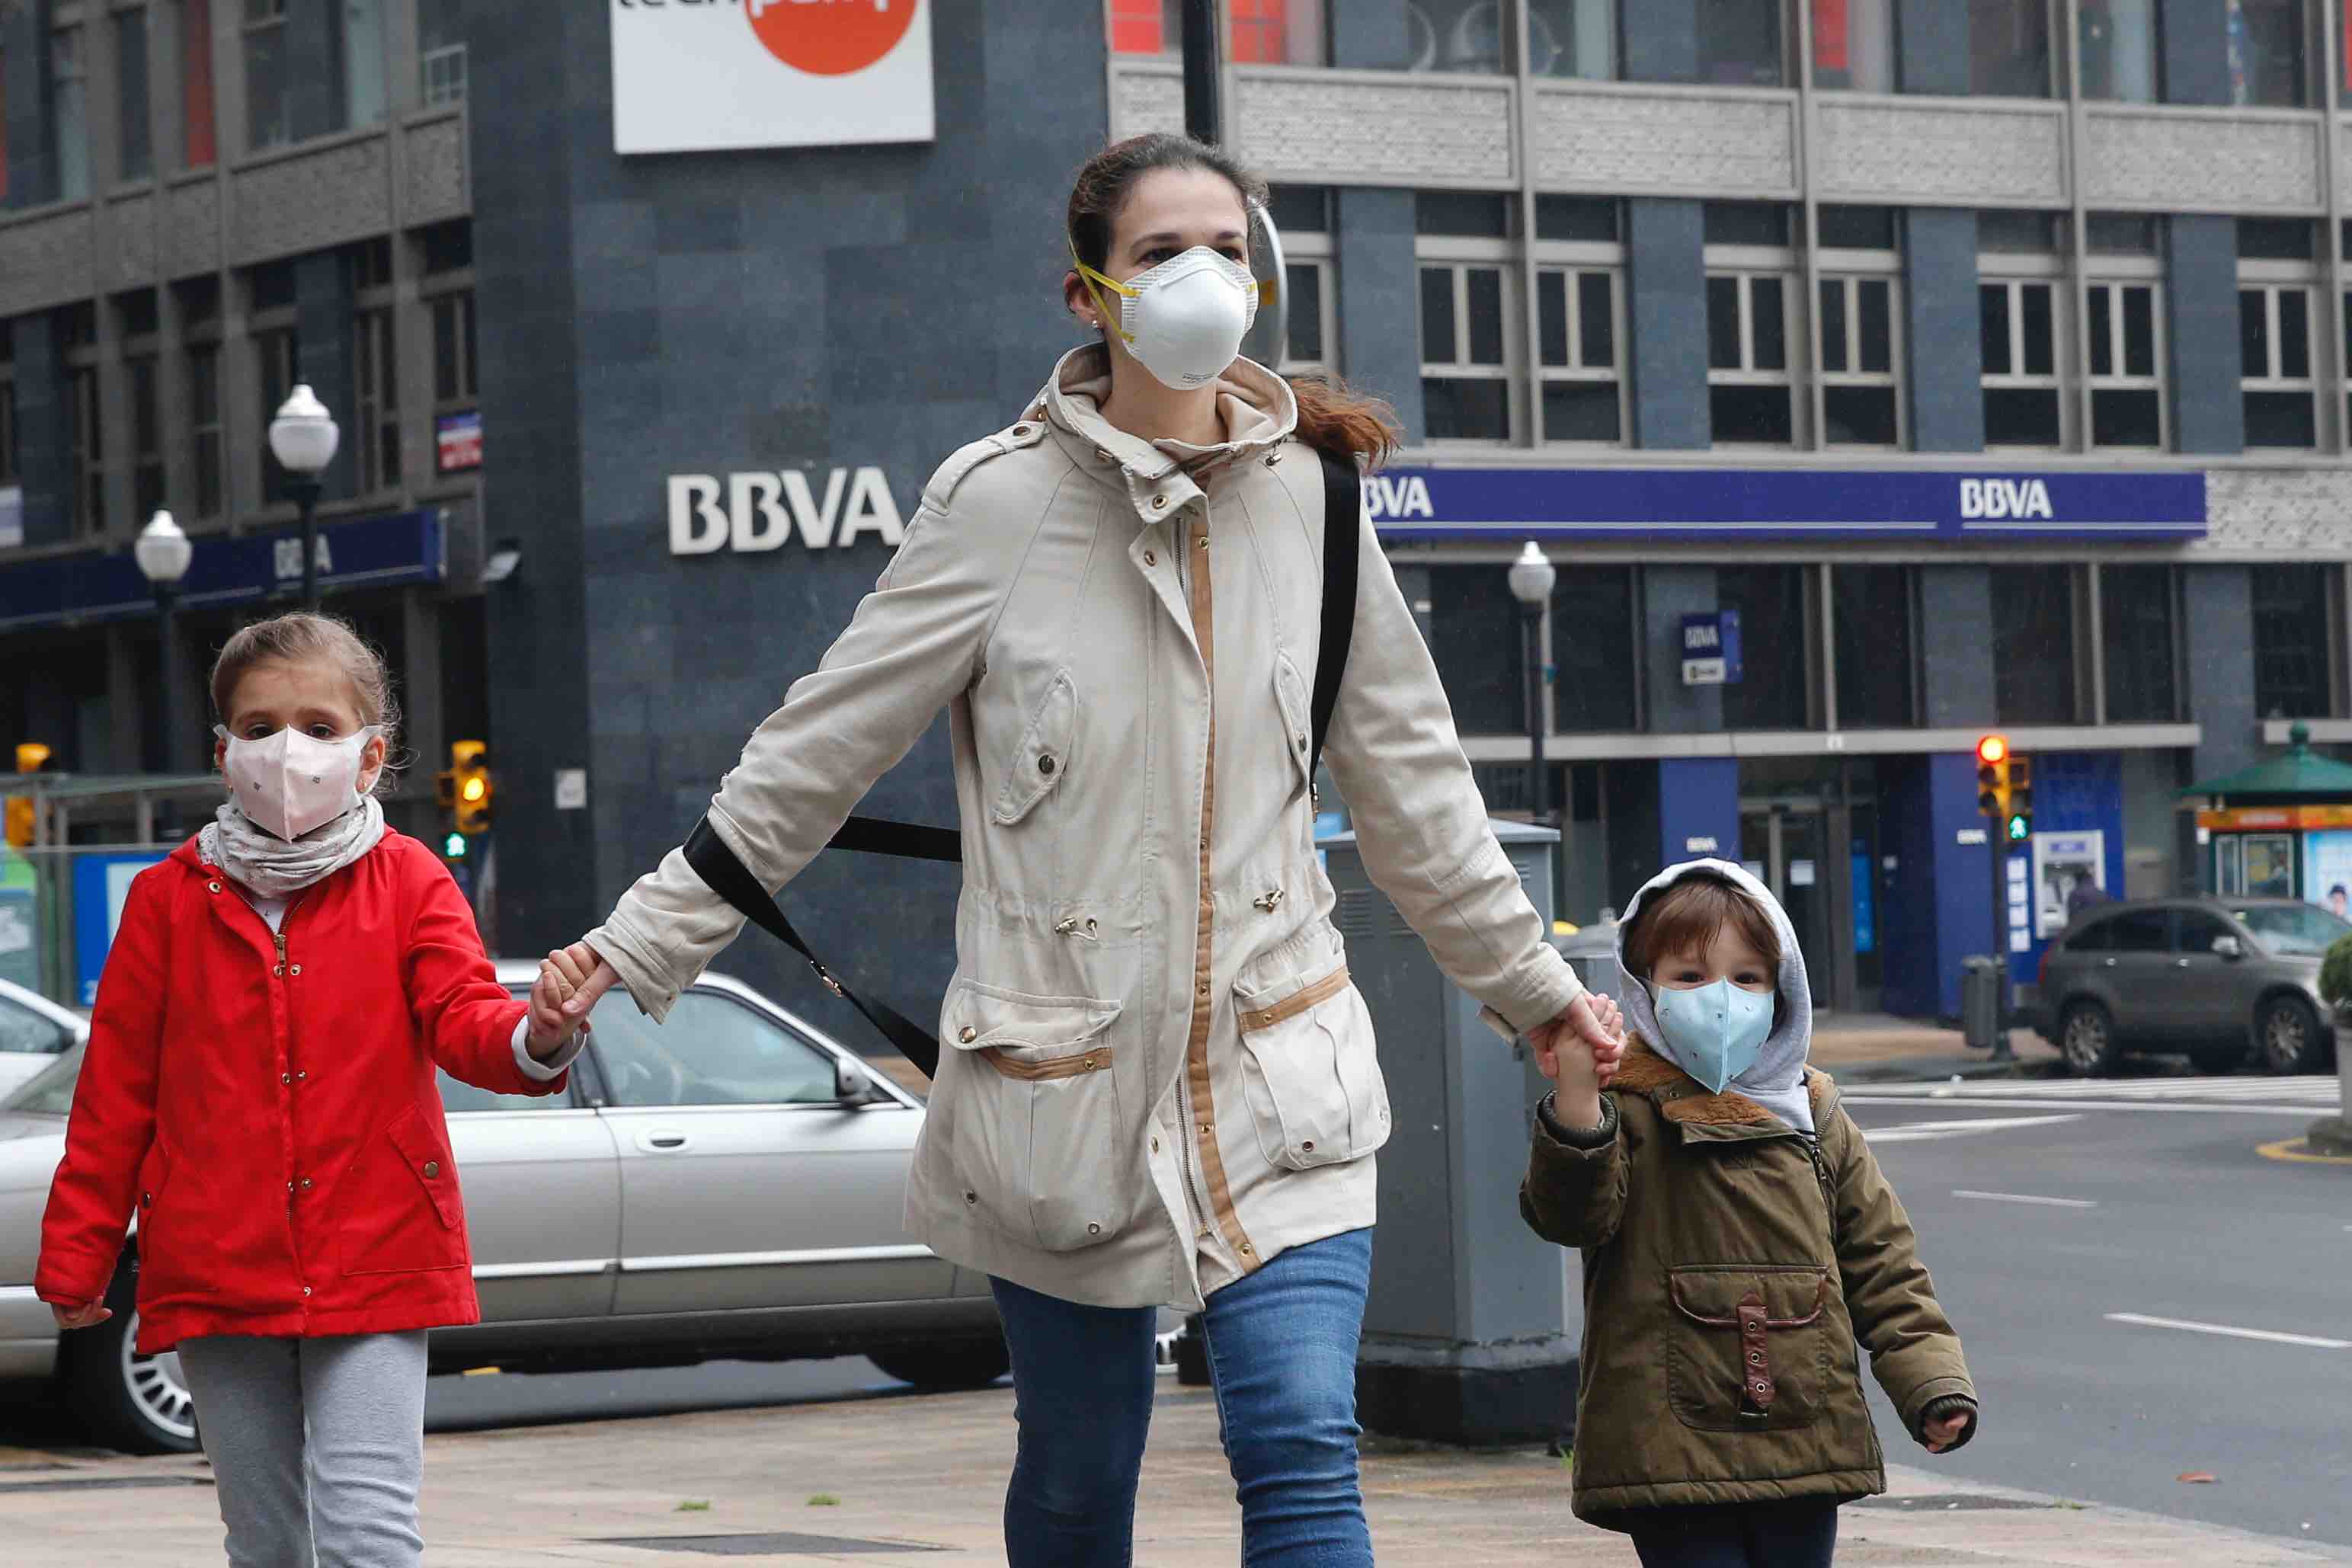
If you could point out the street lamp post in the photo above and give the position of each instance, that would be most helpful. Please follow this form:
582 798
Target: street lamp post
1532 576
162 553
304 436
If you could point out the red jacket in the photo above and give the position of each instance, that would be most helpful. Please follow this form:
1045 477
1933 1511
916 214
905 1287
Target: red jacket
269 1107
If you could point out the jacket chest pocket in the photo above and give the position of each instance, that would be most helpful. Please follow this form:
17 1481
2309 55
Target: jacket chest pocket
399 1202
1038 1128
1748 1347
1041 760
1309 1068
1297 706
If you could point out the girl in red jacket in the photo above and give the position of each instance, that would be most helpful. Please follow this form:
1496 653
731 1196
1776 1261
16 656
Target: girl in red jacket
259 1093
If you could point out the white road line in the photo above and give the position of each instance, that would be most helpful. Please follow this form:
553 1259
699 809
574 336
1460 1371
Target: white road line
1947 1102
2027 1198
2268 1336
2318 1089
1928 1131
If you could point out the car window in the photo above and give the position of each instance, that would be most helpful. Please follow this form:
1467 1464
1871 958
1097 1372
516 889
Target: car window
2099 936
713 1050
50 1091
2303 930
2198 932
25 1033
2141 931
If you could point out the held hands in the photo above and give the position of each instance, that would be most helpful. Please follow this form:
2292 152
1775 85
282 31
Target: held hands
89 1315
561 978
590 977
1579 1051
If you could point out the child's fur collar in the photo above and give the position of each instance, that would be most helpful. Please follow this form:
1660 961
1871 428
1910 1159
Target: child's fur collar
1682 1098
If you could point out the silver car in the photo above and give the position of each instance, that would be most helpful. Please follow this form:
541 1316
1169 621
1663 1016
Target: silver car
729 1185
2203 977
34 1032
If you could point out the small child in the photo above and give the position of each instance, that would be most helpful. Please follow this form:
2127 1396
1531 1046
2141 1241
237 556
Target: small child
1737 1238
258 1091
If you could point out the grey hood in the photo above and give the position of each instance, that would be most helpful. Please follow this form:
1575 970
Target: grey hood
1776 1079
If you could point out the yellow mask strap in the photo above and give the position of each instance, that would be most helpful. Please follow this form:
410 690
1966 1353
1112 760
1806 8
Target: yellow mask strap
1111 318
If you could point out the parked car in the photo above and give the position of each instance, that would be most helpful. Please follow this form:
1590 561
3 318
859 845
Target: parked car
727 1186
2207 977
34 1032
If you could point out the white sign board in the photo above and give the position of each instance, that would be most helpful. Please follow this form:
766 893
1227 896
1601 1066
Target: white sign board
570 789
694 78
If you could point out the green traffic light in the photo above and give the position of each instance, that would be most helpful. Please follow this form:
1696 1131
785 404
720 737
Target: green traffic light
2021 828
453 847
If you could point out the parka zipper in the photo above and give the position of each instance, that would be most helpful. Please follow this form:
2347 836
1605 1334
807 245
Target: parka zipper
1822 1179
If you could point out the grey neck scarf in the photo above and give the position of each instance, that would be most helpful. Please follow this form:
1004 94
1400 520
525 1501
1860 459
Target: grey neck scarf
271 867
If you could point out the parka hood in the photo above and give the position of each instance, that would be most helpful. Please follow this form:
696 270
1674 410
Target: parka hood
1776 1079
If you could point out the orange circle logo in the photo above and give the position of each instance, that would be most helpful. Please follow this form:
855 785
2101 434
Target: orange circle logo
830 37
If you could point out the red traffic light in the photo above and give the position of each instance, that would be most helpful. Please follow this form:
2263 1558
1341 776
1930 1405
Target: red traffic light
1993 750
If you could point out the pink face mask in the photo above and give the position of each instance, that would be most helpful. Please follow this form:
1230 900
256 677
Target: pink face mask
288 783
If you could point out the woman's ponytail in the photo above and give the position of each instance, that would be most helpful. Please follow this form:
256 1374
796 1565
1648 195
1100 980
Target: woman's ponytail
1334 418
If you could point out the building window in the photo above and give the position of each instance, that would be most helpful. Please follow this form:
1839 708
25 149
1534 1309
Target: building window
1573 39
1861 341
1872 610
360 27
1776 646
276 366
2023 406
1739 43
197 149
89 470
1302 214
1853 45
2139 608
2267 53
2295 627
7 406
1469 315
453 348
1594 649
268 111
1280 32
2033 644
70 112
1580 320
2282 395
146 437
1751 389
2121 47
441 50
131 107
205 413
376 378
1474 636
2009 44
2126 365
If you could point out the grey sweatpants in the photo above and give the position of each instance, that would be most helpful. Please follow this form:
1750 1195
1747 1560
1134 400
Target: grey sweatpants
317 1446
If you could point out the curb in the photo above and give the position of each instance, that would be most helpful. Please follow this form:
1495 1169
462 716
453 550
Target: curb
1931 1069
2331 1136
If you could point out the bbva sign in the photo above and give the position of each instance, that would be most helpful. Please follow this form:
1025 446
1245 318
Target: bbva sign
760 511
2001 499
1397 497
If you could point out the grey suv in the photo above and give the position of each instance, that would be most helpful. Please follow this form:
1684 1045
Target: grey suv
2206 977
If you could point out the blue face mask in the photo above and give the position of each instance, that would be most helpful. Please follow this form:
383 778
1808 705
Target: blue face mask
1713 1032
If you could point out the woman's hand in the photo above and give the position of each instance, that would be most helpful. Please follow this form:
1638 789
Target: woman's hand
591 978
1589 1037
562 977
89 1315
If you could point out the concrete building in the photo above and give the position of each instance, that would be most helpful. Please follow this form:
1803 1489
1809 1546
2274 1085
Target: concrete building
1987 357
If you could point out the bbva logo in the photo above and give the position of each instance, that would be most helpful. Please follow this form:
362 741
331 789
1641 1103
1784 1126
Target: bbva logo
2000 500
1397 497
762 510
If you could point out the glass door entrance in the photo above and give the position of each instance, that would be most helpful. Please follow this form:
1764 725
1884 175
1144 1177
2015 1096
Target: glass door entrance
1784 846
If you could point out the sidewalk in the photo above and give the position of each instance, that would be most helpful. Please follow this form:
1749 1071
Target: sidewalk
924 1477
1865 1047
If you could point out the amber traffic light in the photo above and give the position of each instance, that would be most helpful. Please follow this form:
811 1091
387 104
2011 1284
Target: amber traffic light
466 790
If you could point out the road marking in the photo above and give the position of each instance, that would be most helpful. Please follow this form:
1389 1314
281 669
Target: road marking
1945 1102
1928 1131
2268 1336
2027 1198
2322 1090
2298 1150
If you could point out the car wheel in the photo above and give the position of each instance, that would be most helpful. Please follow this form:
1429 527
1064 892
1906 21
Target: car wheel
2290 1036
2218 1060
2086 1038
139 1403
943 1369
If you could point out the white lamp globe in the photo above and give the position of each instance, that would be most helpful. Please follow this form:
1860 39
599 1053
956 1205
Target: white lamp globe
1532 576
162 551
304 436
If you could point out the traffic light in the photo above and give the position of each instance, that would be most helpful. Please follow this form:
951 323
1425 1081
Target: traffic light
2005 788
465 789
453 847
31 757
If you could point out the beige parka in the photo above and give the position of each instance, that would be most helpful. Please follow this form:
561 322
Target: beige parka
1155 1073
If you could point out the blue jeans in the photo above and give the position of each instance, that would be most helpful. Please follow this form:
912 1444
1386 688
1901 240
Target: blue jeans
1737 1535
1282 1354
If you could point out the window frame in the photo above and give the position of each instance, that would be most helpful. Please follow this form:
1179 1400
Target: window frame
208 450
10 473
2015 272
2115 276
255 18
129 117
1850 270
69 67
1748 263
2272 281
266 331
1318 253
1460 256
1574 260
375 373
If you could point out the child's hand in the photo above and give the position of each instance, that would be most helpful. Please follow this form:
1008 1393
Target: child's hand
1941 1434
559 982
1587 1042
89 1315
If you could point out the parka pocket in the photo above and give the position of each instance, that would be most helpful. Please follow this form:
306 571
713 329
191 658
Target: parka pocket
1747 1346
1038 1134
1311 1070
1298 707
166 1268
401 1209
1041 760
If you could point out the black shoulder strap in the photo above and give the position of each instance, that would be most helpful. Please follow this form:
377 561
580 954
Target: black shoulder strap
1343 504
728 877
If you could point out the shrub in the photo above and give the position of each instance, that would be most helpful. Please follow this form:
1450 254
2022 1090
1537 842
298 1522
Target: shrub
2335 974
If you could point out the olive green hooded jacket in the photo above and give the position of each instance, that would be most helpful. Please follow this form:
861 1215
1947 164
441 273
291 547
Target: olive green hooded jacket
1730 1264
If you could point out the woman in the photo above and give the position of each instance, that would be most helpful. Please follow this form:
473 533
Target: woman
1158 1087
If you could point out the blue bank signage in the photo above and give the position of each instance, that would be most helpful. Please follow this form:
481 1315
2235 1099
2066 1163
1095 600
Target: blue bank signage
1642 504
376 551
1711 649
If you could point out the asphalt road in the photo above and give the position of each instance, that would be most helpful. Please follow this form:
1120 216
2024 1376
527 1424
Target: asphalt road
2157 1213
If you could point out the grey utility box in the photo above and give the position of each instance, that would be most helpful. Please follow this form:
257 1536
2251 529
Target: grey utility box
1465 1335
1980 1002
